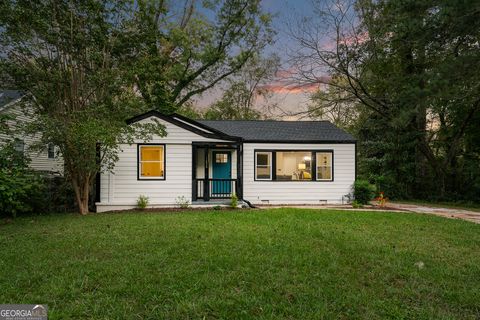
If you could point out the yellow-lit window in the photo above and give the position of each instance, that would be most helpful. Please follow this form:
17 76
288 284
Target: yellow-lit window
152 162
324 166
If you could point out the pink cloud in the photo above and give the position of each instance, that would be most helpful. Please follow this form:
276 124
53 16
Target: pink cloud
289 85
356 39
278 88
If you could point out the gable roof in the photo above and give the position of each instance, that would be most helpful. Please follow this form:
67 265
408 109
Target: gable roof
8 96
281 131
187 124
257 130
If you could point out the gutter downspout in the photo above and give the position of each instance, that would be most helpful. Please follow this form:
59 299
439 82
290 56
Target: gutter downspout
249 204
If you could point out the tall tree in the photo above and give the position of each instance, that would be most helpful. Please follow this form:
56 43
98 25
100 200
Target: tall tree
187 49
331 103
247 95
410 65
87 65
67 57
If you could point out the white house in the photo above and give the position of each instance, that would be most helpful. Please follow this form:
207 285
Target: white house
45 160
262 162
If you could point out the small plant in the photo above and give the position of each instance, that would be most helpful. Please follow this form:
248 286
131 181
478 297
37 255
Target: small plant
234 201
363 191
356 204
217 208
182 202
381 199
142 202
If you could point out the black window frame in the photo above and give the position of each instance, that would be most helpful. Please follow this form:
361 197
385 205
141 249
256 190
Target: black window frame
19 142
50 153
316 166
139 177
255 165
274 164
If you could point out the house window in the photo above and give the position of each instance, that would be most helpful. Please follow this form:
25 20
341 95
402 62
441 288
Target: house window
221 158
294 165
324 166
151 161
51 151
19 145
263 163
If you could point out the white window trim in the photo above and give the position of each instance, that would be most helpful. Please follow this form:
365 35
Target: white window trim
140 161
331 165
270 165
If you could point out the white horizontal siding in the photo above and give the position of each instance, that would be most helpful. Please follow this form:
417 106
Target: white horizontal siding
175 134
122 188
126 188
298 192
39 159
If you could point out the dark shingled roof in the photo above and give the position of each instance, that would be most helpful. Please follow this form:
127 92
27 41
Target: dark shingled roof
7 96
281 131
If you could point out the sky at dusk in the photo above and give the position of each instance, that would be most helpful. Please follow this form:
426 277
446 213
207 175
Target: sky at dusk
291 98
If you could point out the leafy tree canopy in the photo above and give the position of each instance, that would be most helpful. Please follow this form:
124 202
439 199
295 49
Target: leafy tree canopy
88 65
411 65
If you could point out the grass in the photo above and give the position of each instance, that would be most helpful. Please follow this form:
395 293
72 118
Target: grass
272 264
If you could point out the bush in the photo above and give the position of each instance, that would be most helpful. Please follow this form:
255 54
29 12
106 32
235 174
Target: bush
363 191
356 205
21 189
182 202
234 201
142 202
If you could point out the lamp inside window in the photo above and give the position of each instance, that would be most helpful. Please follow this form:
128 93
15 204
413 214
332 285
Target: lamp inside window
294 165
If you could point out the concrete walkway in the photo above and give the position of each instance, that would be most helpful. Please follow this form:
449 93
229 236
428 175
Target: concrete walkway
453 213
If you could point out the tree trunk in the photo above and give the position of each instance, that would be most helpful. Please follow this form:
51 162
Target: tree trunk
81 188
420 165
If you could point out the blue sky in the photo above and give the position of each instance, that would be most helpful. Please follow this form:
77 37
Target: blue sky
284 11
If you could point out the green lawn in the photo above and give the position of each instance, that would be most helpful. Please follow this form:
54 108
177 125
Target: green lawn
280 263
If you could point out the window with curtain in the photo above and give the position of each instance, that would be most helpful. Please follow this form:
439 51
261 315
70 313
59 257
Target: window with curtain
324 166
293 165
263 163
151 162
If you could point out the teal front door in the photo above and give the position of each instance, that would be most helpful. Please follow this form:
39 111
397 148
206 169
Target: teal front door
222 169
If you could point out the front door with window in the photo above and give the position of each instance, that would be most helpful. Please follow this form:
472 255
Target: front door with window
221 169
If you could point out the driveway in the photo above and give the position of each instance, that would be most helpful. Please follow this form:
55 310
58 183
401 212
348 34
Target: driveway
451 213
472 216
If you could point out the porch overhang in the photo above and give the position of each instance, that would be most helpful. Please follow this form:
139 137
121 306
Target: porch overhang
202 187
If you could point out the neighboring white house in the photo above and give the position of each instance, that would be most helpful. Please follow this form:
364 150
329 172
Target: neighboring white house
262 162
45 160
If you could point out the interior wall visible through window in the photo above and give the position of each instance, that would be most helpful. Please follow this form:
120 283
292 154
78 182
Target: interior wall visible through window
293 165
151 162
